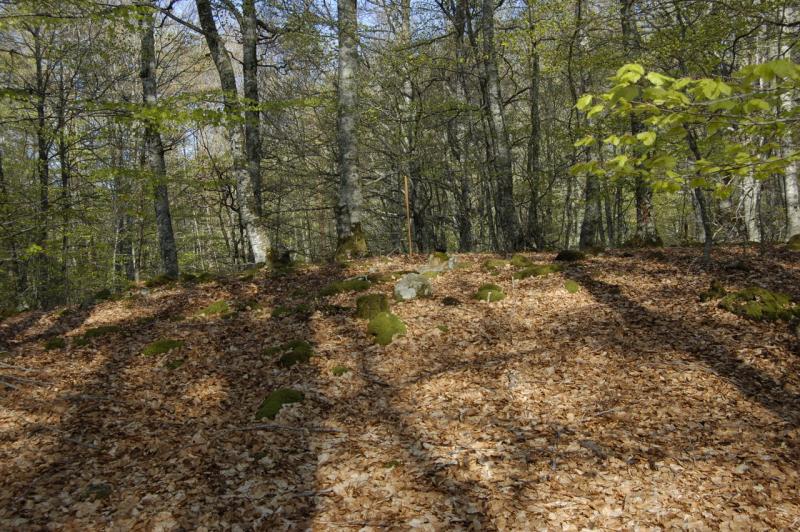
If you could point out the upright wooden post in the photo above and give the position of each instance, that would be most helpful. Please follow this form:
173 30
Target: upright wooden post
408 214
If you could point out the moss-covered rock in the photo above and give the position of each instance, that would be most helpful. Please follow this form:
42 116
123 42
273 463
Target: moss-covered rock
489 292
357 284
293 352
370 305
159 347
715 291
494 265
537 270
520 261
338 371
793 244
385 326
217 307
412 286
56 342
273 403
760 304
571 286
570 255
384 277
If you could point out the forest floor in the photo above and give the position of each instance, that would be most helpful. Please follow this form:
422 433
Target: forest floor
627 404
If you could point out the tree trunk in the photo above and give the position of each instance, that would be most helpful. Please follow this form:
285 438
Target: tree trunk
533 164
498 137
351 240
155 153
252 130
245 188
751 192
646 233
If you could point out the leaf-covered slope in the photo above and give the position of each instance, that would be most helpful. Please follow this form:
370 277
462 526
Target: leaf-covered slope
626 402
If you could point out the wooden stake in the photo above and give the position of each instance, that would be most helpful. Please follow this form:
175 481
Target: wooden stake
408 215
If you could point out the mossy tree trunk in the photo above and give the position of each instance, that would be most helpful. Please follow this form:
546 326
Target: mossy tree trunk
349 207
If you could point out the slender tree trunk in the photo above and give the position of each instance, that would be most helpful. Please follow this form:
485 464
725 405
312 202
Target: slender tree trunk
498 136
533 164
349 208
245 188
155 153
252 130
646 232
751 192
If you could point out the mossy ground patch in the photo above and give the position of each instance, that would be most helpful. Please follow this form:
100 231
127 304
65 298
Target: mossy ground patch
56 342
348 285
489 292
293 352
571 286
159 347
215 308
537 270
760 304
273 403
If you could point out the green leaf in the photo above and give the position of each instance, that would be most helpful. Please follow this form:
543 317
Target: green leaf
648 138
584 102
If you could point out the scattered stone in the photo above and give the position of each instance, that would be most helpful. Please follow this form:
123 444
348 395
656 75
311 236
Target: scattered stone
411 286
760 304
369 305
356 284
490 292
384 277
272 404
537 270
793 244
570 255
338 371
56 342
294 352
160 347
571 286
715 291
385 326
450 301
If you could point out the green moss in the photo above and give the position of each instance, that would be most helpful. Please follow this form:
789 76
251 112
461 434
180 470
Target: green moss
348 285
570 255
385 326
431 275
793 244
537 270
443 328
293 352
760 304
520 261
160 347
303 311
96 332
174 363
370 305
391 464
438 258
493 265
272 404
715 291
218 307
338 371
571 286
489 292
384 277
160 280
56 342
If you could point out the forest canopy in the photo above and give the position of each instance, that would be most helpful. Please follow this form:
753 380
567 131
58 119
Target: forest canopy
157 137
